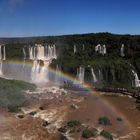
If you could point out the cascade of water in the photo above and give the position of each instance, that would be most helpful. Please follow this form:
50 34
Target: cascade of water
50 52
0 53
104 50
75 49
83 47
24 53
34 52
93 75
44 54
4 53
81 74
137 81
122 51
31 53
101 49
54 52
1 72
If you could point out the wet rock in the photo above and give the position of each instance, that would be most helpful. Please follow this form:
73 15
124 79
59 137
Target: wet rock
21 116
45 123
63 137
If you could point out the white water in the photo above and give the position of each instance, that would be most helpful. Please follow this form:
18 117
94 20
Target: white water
81 74
4 53
2 57
93 75
101 49
75 49
40 53
137 81
122 50
1 73
31 53
24 53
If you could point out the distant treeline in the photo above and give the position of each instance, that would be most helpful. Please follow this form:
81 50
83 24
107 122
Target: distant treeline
116 70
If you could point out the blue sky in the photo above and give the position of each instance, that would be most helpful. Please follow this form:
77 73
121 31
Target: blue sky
57 17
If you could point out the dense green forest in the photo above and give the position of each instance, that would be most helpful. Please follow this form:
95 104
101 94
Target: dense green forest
116 70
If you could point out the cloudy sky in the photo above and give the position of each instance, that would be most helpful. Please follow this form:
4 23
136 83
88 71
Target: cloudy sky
56 17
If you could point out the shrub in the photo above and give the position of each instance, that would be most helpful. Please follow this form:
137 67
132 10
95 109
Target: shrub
104 121
106 135
87 133
73 123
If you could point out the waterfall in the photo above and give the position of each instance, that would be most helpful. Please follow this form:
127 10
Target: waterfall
104 50
1 73
75 49
81 74
122 51
83 47
0 53
41 54
4 53
54 52
101 49
93 75
137 81
31 53
97 48
24 53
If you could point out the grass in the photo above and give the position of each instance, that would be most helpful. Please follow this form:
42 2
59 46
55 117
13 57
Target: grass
12 93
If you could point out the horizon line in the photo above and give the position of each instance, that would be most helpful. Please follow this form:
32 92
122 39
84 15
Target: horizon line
70 34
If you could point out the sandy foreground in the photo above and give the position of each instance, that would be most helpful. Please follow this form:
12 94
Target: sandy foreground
51 109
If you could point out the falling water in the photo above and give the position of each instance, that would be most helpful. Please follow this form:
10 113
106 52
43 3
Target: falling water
0 53
93 75
1 73
24 53
81 74
122 50
75 49
83 47
31 53
137 81
104 50
45 54
4 53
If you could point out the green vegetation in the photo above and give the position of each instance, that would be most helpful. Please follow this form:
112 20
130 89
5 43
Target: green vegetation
116 70
106 135
73 123
104 121
12 95
88 133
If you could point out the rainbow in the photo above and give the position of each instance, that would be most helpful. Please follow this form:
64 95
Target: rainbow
87 86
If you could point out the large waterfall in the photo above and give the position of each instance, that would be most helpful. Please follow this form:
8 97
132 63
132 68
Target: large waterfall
93 75
137 81
40 53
